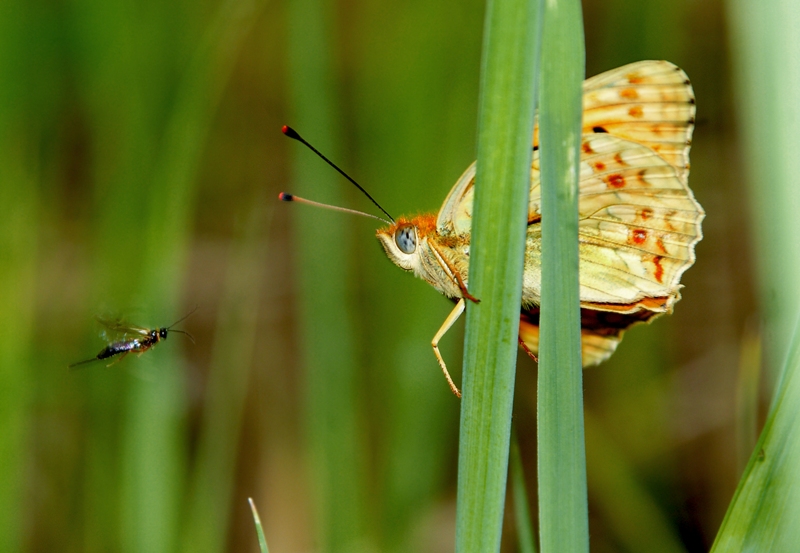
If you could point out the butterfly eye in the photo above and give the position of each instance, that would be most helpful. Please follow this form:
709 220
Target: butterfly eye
406 239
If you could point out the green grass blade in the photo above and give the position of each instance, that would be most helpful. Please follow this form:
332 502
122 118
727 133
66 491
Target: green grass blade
262 540
505 126
765 510
563 515
522 511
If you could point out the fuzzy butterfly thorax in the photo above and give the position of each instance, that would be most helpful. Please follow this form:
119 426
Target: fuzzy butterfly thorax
638 219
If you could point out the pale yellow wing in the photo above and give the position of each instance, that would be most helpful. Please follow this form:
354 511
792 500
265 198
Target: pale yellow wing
648 102
639 221
638 225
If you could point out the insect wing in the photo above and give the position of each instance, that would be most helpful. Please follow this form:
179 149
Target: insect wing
638 219
638 224
118 329
649 103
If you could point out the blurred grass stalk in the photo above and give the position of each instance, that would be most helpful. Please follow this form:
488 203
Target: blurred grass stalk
213 479
156 461
526 536
505 126
622 498
333 429
766 49
19 225
764 512
563 510
207 513
25 103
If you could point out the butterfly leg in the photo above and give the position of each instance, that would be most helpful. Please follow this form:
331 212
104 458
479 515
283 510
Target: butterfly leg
448 322
464 291
452 273
528 351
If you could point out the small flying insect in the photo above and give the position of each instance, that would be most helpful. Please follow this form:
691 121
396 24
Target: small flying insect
131 339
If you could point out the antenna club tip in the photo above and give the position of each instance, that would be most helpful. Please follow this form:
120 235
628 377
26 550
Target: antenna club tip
284 197
290 132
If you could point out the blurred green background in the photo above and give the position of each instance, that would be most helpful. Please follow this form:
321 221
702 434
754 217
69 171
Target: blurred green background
140 162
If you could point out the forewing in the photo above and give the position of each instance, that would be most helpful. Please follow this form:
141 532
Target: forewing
115 328
649 102
455 215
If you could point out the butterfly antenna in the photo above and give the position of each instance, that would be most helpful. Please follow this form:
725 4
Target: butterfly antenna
291 133
284 197
189 314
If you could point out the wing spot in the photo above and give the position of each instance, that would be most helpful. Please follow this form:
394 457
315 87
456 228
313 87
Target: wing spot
637 236
587 149
646 213
640 177
661 247
619 160
615 181
599 129
668 218
635 78
599 166
629 94
636 112
659 269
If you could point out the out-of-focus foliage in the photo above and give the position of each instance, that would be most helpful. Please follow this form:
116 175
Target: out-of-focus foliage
140 160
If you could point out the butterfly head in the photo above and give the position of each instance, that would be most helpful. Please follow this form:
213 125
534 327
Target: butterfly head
400 241
405 241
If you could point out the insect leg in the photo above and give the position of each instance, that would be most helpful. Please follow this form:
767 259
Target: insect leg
527 350
118 359
452 273
448 322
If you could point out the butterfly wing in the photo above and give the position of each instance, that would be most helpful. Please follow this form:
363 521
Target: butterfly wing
647 102
639 222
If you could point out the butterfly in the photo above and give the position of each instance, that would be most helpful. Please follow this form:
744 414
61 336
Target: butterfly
638 220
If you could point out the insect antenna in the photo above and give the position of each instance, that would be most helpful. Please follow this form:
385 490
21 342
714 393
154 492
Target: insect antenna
189 314
184 332
291 133
283 196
